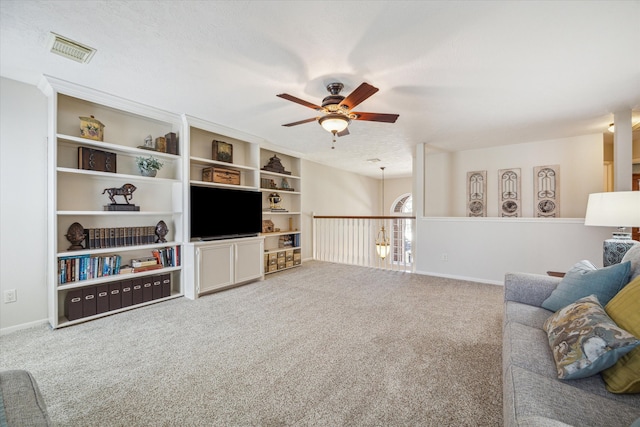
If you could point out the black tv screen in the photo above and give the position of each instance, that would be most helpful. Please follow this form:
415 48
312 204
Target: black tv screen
221 213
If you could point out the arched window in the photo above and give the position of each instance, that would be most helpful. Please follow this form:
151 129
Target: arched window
402 230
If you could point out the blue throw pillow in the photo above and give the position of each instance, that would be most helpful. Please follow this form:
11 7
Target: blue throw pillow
585 279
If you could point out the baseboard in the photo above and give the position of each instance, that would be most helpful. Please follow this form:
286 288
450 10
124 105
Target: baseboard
10 329
468 279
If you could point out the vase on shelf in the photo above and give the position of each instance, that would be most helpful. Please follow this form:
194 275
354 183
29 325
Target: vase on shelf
148 172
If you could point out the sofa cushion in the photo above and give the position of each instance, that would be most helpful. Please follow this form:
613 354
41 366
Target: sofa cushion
585 279
624 309
525 314
633 256
527 347
584 340
528 395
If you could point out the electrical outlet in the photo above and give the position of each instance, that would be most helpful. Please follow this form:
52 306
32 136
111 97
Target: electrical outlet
10 296
444 257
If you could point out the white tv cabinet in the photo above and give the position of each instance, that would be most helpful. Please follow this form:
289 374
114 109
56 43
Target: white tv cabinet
222 264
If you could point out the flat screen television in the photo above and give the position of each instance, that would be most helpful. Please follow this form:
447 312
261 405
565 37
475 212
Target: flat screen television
221 213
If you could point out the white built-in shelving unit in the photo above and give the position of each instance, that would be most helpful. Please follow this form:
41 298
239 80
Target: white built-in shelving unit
283 245
215 265
77 195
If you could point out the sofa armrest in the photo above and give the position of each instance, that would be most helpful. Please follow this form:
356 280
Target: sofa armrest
22 402
529 288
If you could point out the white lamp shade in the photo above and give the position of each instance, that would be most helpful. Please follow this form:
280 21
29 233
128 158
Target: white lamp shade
614 209
334 123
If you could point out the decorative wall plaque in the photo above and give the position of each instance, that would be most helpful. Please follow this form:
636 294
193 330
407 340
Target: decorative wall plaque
546 191
222 151
509 193
477 193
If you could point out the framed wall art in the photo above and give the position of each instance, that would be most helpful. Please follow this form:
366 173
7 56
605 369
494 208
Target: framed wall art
477 193
509 193
222 151
546 191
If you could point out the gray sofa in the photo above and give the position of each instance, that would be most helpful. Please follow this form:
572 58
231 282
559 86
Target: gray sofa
21 403
532 393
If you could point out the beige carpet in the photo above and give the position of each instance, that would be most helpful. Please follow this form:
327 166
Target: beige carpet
321 345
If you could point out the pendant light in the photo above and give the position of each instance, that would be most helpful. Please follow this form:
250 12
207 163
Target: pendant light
382 241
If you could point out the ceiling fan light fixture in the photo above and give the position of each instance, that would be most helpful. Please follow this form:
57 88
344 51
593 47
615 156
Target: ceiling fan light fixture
334 123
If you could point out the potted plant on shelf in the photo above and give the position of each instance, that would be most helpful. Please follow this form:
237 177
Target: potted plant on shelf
149 166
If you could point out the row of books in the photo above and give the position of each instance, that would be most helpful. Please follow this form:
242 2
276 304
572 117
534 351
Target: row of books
106 297
167 257
112 237
76 268
84 267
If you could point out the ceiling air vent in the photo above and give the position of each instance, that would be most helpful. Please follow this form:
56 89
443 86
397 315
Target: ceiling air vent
70 49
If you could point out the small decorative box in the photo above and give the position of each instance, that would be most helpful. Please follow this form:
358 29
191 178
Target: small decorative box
221 175
91 128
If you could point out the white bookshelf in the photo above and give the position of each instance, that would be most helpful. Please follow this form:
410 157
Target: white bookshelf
282 247
76 195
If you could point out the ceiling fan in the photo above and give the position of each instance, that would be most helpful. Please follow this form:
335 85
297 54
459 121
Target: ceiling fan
337 110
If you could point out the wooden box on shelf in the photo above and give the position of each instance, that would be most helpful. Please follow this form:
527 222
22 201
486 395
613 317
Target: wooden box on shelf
96 160
221 175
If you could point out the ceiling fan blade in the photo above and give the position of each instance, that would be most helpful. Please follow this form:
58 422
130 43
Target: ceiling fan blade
362 92
300 101
313 119
377 117
345 132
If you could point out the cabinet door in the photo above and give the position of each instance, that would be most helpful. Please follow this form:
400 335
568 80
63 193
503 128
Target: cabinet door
249 260
215 267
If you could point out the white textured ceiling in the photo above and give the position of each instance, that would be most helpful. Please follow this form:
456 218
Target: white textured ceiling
461 75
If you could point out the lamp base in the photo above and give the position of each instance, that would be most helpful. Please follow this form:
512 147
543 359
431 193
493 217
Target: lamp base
615 248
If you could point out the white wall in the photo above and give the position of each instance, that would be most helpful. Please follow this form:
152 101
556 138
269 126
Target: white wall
393 189
330 191
484 249
581 168
23 203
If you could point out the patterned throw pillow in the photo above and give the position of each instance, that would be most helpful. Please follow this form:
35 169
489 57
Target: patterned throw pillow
624 309
585 279
633 256
584 340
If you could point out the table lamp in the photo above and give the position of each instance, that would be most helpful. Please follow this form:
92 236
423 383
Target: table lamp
614 209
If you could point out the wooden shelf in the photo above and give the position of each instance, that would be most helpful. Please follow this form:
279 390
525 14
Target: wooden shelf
118 213
279 233
280 175
108 175
221 185
281 213
209 162
276 250
273 190
114 277
117 249
114 147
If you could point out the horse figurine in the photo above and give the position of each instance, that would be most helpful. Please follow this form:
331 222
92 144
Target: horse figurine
125 191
